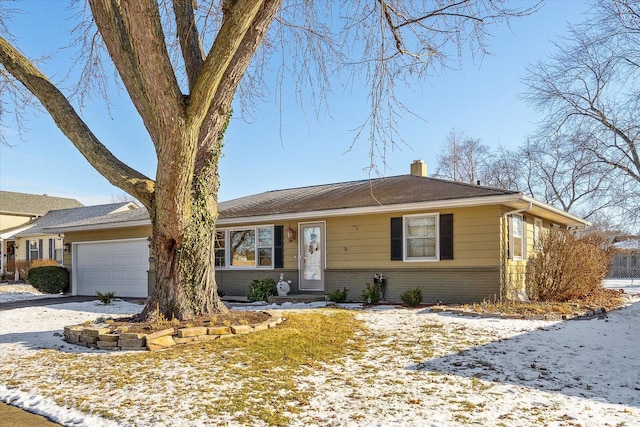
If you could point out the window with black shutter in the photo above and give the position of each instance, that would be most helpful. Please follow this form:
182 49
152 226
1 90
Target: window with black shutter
446 236
278 246
396 239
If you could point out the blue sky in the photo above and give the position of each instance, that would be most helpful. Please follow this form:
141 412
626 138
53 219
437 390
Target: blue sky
481 100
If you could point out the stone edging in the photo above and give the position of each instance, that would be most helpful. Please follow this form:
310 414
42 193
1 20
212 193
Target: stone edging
101 337
599 312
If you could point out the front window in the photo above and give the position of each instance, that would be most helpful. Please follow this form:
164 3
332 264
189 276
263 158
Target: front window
250 247
34 253
421 237
516 237
220 245
243 249
265 246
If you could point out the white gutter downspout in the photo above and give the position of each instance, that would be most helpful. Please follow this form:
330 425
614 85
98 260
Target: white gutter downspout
505 257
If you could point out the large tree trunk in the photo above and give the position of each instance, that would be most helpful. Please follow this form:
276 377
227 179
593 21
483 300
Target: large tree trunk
183 244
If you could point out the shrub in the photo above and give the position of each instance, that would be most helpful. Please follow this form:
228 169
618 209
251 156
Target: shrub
567 267
412 297
338 295
372 294
262 289
50 279
106 298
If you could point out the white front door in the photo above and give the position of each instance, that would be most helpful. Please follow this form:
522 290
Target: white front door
312 256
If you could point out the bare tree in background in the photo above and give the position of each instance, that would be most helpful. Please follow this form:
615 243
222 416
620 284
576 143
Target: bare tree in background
184 97
462 159
504 169
591 87
558 173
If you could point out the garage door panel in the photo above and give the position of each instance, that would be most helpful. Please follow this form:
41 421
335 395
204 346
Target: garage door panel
117 266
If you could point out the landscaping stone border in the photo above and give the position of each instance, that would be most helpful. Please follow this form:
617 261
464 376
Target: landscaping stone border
590 314
101 336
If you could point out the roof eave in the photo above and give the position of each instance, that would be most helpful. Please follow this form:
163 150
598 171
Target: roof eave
516 200
557 214
105 226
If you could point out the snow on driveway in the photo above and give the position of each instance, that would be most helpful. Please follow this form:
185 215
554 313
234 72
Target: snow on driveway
420 368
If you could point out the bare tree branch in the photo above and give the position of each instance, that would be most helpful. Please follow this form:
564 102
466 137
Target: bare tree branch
189 37
65 117
140 55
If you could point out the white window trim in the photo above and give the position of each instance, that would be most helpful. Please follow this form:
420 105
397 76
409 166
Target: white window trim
405 257
511 238
256 266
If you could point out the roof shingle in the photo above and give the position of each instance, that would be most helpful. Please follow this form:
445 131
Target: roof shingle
356 194
33 204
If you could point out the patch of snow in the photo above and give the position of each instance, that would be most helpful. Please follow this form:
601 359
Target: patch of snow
630 286
419 368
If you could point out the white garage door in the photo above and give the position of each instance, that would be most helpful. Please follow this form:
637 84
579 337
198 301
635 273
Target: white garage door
114 266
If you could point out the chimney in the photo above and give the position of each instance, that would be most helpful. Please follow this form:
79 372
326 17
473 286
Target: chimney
418 168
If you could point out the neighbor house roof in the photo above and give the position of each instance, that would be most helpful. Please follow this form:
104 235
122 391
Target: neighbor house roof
33 204
391 194
630 243
129 218
59 217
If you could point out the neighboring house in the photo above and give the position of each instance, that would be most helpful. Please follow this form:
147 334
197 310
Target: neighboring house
17 210
31 241
458 242
626 261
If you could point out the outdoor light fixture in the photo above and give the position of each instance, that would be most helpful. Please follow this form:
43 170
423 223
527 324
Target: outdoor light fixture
67 247
149 241
291 234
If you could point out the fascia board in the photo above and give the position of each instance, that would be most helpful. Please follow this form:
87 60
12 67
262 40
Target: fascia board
557 212
106 226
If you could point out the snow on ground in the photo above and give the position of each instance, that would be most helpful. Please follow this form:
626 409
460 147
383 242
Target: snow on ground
420 368
10 293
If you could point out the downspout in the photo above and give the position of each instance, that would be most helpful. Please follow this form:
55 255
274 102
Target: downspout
505 247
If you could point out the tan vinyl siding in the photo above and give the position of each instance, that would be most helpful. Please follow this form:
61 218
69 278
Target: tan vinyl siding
364 241
10 221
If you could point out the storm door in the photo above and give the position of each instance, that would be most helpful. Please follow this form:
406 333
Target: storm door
312 256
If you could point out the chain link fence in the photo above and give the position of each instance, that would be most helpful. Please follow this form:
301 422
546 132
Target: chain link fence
625 265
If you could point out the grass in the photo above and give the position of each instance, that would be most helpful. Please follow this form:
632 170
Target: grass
244 379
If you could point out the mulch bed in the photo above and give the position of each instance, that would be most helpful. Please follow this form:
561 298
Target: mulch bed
233 317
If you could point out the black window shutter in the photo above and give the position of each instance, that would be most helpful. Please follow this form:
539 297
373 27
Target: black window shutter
40 249
278 246
446 236
28 257
396 239
51 248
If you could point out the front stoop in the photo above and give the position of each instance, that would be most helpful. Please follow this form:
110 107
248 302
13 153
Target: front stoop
296 298
101 337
